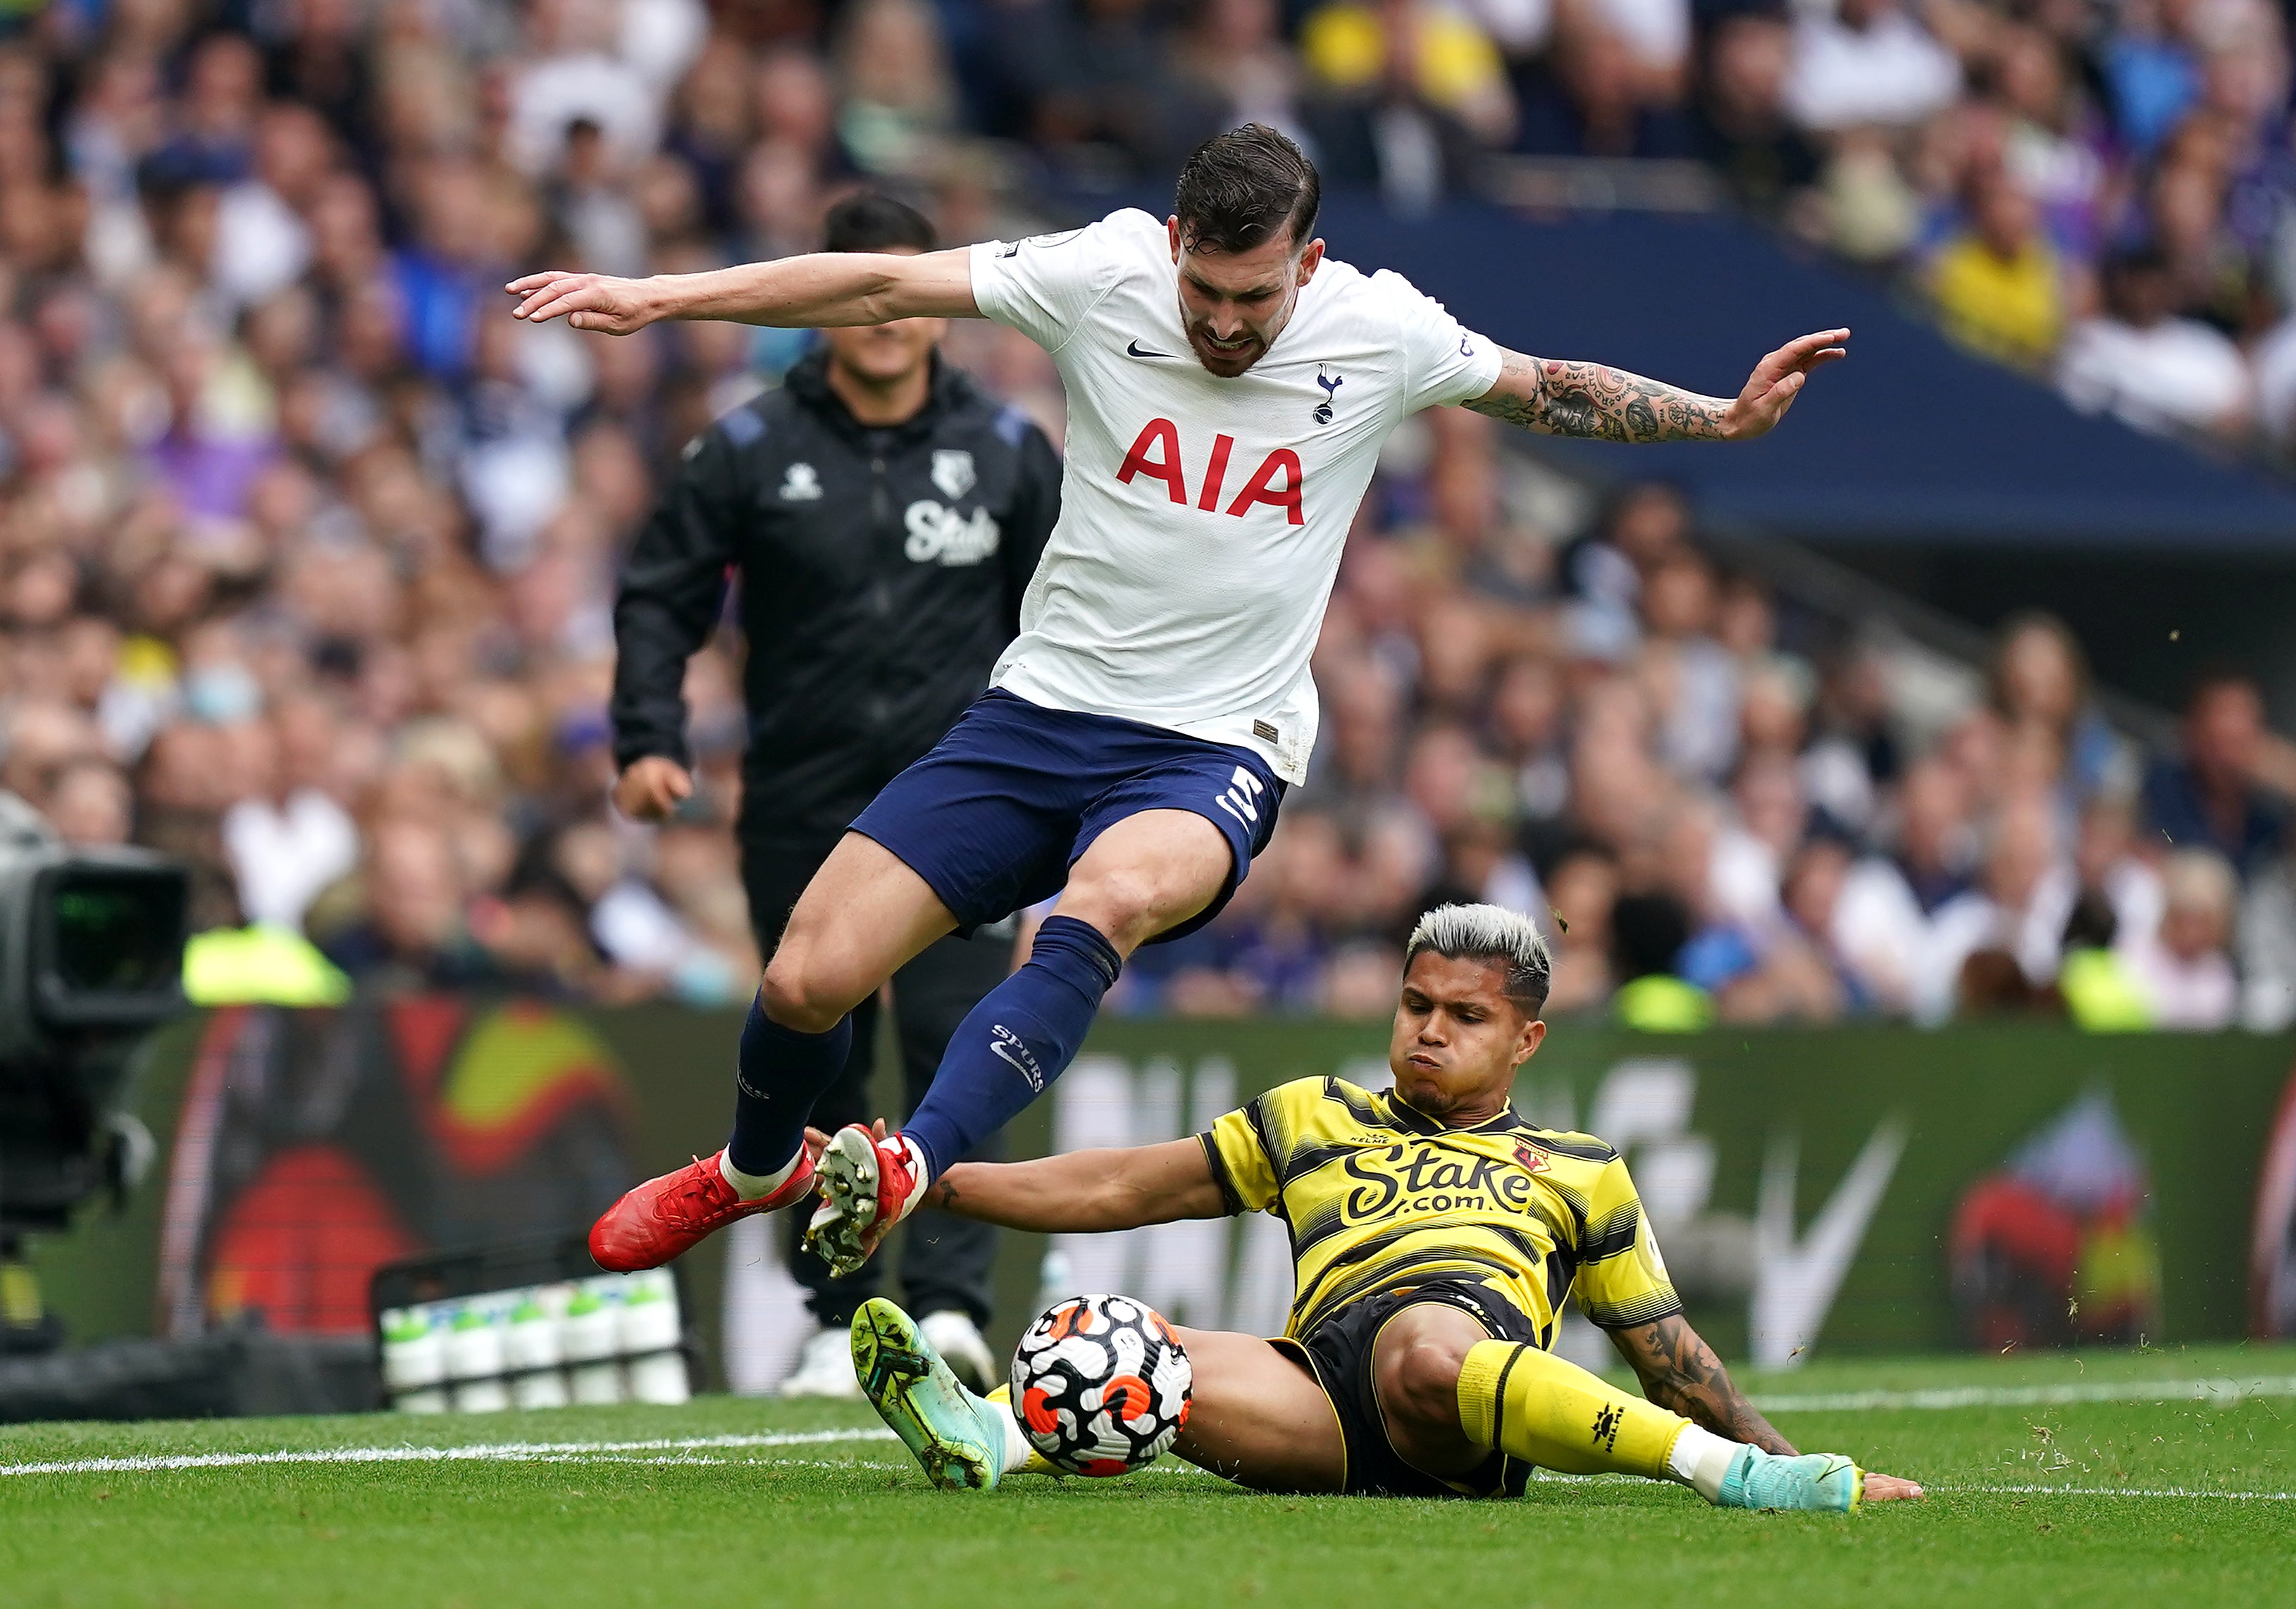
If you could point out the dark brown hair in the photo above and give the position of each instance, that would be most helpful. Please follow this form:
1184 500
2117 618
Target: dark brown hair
1242 189
874 222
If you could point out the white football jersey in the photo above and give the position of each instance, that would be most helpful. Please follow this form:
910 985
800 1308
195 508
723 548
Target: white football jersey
1201 519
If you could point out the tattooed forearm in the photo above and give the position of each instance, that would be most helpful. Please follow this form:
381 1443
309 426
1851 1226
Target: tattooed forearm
1589 399
1679 1371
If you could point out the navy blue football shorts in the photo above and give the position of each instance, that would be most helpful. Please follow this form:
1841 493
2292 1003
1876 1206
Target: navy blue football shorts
1003 805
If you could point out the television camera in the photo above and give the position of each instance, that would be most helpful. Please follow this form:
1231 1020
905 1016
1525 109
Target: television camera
90 962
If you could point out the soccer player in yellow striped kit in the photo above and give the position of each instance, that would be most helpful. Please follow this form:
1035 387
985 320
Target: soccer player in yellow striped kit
1436 1236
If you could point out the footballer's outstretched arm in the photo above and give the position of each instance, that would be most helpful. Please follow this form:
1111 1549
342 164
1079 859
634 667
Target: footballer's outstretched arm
1679 1371
819 290
1084 1191
1559 398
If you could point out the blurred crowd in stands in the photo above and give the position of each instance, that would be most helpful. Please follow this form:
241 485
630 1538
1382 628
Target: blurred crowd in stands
1724 809
307 552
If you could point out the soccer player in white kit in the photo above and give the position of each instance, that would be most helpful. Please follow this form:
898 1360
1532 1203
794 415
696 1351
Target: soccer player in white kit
1229 388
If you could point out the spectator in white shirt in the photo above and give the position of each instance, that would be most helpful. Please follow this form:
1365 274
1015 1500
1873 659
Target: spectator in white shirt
1799 978
1868 64
1752 853
2017 910
1881 921
575 73
2266 933
2274 360
2184 972
1656 32
262 244
1696 679
287 838
2149 368
2110 871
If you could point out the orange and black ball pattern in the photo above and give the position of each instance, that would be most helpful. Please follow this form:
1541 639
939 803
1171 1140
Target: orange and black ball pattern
1101 1384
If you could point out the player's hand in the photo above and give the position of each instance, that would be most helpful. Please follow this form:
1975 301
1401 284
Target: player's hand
651 788
586 301
1890 1489
1778 379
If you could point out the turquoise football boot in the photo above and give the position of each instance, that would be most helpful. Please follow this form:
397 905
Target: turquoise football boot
958 1436
1826 1483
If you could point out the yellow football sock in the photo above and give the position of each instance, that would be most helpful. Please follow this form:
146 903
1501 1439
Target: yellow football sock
1535 1406
1037 1463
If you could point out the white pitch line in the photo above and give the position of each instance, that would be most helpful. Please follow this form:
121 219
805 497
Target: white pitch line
2220 1390
693 1451
500 1452
2129 1491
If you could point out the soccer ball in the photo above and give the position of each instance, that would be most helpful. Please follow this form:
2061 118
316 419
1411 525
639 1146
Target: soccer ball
1101 1384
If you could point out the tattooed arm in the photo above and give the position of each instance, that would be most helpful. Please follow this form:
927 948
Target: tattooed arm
1588 400
1679 1371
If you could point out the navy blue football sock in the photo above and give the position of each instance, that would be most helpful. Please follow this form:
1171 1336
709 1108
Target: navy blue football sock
1021 1037
778 1077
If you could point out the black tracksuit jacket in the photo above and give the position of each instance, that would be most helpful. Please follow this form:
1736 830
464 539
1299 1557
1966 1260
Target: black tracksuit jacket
882 572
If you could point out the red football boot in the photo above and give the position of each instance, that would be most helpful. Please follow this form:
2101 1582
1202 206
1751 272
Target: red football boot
666 1216
867 1186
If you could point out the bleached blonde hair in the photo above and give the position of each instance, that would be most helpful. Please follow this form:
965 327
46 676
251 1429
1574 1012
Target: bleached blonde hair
1489 932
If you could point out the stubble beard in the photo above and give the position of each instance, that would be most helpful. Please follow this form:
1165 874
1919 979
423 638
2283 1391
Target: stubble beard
1225 365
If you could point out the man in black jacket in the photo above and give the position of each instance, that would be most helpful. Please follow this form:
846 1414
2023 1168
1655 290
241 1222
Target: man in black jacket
885 517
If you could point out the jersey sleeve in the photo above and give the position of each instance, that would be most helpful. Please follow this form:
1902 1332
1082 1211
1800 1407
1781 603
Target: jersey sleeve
673 585
1044 285
1239 1148
1623 1280
1444 362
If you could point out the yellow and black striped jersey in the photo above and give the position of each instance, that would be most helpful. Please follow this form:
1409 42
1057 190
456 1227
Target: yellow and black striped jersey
1379 1198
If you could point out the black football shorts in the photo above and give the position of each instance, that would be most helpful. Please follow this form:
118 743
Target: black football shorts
1339 1353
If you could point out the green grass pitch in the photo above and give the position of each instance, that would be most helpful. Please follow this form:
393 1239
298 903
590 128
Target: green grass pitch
2161 1477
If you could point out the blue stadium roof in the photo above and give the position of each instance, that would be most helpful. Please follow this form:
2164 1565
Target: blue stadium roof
1911 440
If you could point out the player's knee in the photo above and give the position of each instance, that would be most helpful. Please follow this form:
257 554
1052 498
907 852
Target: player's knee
800 992
1132 904
1124 903
1418 1386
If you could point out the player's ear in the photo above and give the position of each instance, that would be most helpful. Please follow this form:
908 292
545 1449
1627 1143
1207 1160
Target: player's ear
1527 1042
1172 229
1309 260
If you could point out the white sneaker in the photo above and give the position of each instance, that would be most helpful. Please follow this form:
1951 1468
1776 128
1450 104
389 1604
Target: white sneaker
825 1368
955 1336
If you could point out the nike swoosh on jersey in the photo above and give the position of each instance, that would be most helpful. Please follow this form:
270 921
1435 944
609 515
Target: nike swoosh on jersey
1134 350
